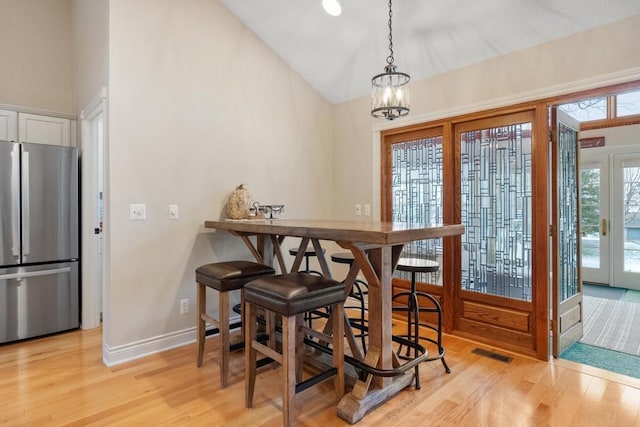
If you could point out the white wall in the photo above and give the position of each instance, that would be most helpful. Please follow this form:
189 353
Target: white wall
90 39
35 42
614 138
197 105
549 69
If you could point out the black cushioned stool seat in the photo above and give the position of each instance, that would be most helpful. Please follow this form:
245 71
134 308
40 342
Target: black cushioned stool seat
290 296
413 310
223 277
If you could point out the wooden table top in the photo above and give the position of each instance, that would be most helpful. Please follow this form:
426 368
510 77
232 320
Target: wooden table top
380 233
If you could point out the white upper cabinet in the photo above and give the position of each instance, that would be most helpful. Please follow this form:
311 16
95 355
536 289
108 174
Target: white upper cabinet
8 125
39 129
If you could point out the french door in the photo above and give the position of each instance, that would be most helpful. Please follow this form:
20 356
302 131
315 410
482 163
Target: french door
566 283
610 220
489 173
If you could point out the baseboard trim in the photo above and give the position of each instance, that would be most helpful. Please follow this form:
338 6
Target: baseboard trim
112 356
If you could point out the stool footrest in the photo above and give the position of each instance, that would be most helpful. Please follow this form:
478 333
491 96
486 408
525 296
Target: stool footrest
302 386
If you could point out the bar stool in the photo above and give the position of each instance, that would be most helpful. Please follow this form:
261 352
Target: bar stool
308 253
291 295
358 294
310 316
223 277
413 310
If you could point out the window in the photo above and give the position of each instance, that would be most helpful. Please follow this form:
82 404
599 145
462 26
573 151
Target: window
628 104
619 109
587 109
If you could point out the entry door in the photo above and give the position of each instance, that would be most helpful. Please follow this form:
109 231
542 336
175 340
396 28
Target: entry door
565 246
594 222
626 221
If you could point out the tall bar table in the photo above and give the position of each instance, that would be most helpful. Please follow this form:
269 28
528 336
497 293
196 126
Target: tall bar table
376 247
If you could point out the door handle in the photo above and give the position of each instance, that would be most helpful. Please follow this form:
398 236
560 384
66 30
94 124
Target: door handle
25 203
15 200
604 227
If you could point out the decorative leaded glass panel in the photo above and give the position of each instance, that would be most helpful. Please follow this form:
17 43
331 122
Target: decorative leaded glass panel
567 212
416 188
496 211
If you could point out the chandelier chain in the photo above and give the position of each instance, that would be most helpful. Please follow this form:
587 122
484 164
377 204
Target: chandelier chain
390 57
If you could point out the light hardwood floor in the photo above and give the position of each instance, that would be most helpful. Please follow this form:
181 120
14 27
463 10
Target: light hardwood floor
61 380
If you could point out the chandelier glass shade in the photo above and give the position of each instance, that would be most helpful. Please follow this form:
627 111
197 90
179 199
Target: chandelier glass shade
390 94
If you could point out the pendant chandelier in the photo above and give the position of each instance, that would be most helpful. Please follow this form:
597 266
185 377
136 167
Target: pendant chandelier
390 90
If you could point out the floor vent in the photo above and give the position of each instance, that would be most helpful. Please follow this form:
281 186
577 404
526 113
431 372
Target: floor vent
492 355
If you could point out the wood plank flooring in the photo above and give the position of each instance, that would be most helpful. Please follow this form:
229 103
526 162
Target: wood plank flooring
61 380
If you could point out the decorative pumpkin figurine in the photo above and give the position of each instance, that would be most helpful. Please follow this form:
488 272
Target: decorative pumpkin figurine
239 203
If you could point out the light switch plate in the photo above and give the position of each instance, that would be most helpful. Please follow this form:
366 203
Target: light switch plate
173 212
137 211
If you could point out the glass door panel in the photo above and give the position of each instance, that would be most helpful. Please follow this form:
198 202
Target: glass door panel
416 193
496 201
594 221
626 221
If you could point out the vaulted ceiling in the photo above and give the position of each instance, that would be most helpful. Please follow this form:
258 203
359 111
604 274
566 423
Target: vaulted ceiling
339 55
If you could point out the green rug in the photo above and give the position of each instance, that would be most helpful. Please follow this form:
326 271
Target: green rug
632 296
610 360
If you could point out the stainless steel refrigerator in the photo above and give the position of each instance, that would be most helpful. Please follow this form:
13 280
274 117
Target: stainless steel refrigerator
39 240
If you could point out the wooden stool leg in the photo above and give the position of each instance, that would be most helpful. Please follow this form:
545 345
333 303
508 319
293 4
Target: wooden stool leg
223 322
201 326
299 347
338 349
289 368
249 353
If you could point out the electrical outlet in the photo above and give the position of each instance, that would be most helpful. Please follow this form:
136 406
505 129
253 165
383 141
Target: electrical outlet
358 210
367 210
138 211
184 306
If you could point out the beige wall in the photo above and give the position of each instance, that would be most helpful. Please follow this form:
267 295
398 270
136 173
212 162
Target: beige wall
35 42
197 105
90 39
533 73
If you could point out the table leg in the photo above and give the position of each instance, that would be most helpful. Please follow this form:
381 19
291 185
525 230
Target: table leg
377 265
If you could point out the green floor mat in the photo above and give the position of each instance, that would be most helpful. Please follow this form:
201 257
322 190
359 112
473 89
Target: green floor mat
610 360
632 296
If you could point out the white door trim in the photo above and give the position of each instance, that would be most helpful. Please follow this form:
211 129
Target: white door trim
91 297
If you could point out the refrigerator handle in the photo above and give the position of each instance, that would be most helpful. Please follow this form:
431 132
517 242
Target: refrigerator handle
15 200
25 203
23 275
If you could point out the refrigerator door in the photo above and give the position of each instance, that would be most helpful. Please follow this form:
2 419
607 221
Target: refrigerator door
38 300
9 203
49 203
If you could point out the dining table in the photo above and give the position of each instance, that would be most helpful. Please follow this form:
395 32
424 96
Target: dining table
376 248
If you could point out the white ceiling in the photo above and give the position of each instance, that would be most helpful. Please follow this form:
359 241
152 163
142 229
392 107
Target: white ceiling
339 55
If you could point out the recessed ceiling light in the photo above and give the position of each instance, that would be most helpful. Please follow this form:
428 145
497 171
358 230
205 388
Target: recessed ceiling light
332 7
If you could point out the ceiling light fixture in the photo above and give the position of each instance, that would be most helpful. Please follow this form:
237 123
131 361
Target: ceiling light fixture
332 7
390 90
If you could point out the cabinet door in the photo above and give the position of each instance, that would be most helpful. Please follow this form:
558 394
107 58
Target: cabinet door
8 125
39 129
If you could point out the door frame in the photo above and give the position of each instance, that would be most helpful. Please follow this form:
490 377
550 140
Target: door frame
93 294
